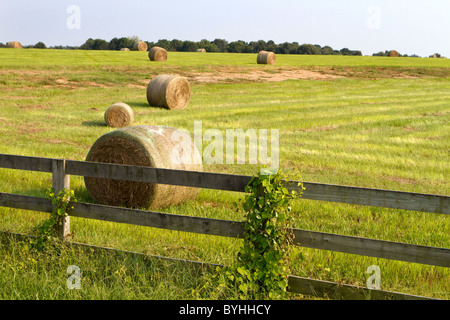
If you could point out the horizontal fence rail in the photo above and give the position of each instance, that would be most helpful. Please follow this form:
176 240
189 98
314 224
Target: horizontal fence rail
313 191
62 169
302 285
234 229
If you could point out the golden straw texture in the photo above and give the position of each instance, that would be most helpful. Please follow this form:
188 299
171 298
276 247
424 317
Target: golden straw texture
140 46
119 115
266 57
150 146
157 54
169 91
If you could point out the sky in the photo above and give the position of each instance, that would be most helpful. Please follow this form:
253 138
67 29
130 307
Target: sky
419 27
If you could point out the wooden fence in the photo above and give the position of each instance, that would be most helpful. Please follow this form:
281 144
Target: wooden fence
62 169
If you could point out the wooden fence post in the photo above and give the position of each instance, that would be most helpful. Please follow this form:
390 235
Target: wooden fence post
60 181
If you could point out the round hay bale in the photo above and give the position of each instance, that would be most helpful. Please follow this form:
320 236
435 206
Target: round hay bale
124 49
14 44
201 50
140 46
157 54
119 115
266 57
393 54
169 91
149 146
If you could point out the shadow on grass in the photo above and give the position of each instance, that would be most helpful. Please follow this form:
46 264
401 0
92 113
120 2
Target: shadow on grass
138 104
144 105
96 123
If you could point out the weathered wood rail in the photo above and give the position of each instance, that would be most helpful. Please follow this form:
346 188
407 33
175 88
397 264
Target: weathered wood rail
62 169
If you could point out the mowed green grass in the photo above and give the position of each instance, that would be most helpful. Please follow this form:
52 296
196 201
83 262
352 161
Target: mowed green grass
383 124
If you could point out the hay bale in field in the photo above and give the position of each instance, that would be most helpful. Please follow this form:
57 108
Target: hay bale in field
393 53
124 49
149 146
169 91
201 50
157 54
14 44
266 57
119 115
140 46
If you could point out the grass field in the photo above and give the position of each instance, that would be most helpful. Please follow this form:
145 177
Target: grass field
362 121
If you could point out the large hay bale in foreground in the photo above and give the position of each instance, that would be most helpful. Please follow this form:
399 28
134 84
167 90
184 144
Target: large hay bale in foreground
157 54
266 57
149 146
140 46
14 44
169 91
393 53
119 115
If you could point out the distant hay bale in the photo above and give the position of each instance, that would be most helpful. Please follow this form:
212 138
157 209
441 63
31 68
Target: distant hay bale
119 115
140 46
393 53
169 91
201 50
124 49
266 57
147 146
157 54
14 44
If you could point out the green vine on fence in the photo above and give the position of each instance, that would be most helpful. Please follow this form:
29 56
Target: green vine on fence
62 203
261 270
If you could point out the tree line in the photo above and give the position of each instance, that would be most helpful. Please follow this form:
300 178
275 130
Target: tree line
217 45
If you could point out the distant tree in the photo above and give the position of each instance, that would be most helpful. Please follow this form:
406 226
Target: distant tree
239 46
348 52
124 42
345 51
209 46
327 50
176 44
221 44
271 46
133 39
189 46
164 43
88 45
100 44
287 48
97 44
294 47
379 54
113 44
308 49
40 45
203 44
212 48
258 46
